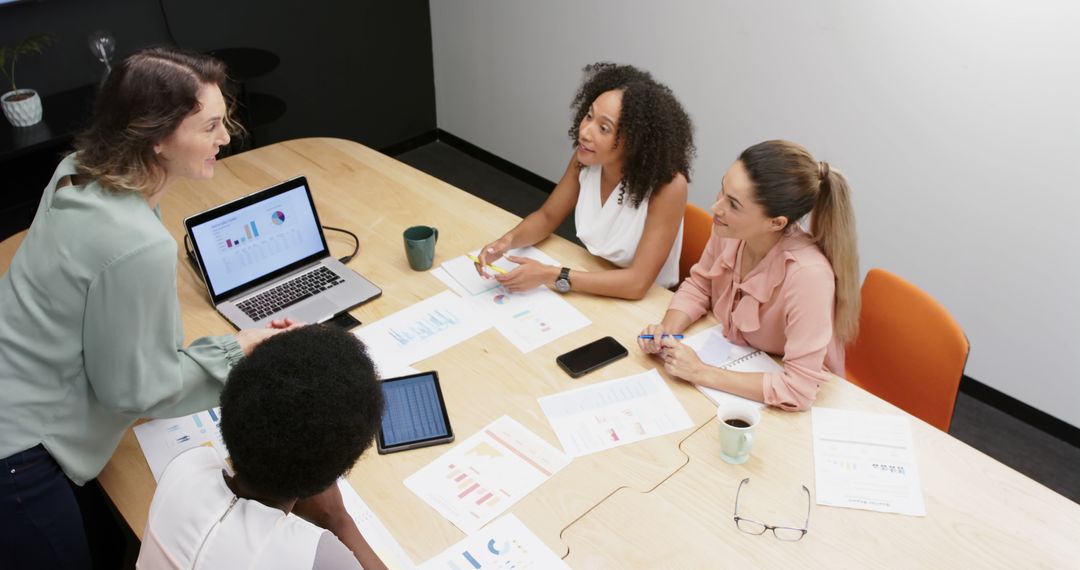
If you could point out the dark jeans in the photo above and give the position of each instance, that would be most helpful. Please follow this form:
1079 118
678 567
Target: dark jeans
41 525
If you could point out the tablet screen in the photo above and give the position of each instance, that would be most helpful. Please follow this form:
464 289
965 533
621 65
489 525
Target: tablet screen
414 411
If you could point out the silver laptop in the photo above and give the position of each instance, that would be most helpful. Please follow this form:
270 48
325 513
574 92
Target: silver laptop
264 256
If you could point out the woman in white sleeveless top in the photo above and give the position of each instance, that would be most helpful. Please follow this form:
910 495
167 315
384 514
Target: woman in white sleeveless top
626 183
295 415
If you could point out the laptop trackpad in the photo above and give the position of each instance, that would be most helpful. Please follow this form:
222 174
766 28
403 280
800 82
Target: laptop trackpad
311 312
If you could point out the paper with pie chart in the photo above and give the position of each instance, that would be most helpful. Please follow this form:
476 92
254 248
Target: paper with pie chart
481 477
505 543
529 319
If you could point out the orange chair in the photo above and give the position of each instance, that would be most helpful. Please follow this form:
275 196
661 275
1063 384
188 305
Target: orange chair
8 248
910 351
697 227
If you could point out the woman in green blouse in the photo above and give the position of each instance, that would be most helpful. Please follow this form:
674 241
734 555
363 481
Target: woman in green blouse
90 331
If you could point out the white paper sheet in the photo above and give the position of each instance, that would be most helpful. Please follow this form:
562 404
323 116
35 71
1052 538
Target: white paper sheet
163 439
375 532
866 461
528 319
715 350
614 413
481 477
423 329
462 271
505 543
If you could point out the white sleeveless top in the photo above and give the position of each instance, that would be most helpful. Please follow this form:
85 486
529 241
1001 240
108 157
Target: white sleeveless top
197 522
612 230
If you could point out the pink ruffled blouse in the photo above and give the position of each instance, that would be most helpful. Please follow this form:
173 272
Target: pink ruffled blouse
783 306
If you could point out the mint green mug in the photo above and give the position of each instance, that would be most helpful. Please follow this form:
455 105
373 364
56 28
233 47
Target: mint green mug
737 423
420 246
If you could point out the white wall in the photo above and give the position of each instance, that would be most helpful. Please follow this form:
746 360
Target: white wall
957 122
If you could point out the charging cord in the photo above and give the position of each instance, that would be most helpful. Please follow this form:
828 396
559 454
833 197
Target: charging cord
356 243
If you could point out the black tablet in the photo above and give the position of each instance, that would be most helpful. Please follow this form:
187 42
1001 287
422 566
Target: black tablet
414 413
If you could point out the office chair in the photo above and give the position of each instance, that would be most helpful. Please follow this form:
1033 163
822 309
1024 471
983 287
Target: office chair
697 227
910 351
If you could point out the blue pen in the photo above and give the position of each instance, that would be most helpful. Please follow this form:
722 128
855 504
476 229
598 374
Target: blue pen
650 337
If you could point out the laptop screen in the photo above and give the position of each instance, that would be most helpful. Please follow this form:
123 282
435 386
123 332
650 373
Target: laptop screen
250 241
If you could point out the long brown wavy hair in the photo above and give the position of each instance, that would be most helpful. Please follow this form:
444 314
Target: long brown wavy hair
140 104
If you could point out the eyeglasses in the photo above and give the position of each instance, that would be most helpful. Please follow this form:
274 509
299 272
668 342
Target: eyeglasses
786 533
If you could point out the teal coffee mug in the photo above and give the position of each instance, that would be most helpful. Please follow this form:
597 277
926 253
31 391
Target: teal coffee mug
737 423
420 246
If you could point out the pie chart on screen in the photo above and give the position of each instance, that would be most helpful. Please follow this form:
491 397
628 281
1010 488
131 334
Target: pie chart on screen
278 218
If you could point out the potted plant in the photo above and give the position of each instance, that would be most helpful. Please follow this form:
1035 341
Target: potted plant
22 107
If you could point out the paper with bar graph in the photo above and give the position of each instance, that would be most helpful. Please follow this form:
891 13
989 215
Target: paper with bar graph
423 329
614 413
481 477
162 440
505 543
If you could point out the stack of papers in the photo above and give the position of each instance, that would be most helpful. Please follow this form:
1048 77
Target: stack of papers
614 413
865 461
528 319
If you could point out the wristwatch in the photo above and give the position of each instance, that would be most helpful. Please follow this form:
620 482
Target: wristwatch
562 284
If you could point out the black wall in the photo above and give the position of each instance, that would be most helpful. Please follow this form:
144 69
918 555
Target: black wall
354 69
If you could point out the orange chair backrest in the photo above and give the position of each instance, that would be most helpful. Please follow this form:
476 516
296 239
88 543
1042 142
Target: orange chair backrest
697 227
8 247
910 351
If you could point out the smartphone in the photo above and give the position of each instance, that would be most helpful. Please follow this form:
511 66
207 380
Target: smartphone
414 413
585 359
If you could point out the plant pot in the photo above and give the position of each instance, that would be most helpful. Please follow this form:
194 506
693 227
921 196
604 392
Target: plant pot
22 110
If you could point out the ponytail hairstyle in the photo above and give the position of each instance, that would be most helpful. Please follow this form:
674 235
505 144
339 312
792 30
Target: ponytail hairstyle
141 103
789 182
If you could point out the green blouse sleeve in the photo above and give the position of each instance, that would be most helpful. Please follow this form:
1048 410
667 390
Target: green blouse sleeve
132 341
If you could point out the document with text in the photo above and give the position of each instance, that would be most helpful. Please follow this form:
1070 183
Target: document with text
505 543
614 413
866 461
481 477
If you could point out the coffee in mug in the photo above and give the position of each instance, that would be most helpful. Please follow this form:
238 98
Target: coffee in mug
737 423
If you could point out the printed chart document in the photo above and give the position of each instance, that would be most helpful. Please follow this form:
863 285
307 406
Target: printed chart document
481 477
614 413
423 329
528 319
505 543
375 533
865 461
715 350
162 440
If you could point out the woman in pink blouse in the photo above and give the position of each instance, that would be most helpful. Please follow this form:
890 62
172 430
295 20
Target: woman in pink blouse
773 285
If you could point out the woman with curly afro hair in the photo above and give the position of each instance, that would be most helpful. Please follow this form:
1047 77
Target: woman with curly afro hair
295 415
626 184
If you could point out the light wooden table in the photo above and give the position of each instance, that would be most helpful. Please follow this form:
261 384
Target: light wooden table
665 502
377 198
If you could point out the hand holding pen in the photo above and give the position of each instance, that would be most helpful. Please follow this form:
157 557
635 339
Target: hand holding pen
649 341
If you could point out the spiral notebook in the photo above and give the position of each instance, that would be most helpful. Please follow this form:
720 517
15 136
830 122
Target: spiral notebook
715 350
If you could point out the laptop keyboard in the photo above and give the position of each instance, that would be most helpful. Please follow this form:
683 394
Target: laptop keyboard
289 293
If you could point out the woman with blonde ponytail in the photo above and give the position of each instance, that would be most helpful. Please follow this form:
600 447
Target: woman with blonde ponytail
772 284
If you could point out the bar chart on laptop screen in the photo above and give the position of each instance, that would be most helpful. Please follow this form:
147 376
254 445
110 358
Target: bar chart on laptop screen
252 241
